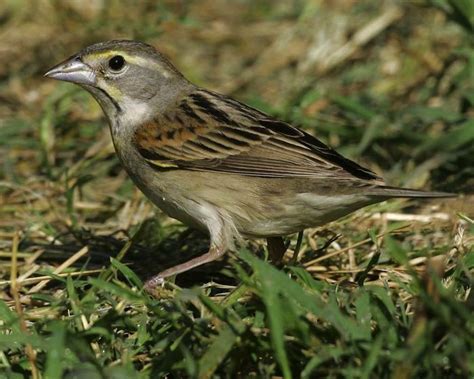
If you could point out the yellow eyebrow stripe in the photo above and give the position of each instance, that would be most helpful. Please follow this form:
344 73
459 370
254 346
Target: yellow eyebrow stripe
139 61
109 54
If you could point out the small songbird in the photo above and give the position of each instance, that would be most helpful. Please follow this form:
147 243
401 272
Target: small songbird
212 162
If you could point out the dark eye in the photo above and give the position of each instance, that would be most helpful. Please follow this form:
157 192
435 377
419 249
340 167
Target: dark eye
116 63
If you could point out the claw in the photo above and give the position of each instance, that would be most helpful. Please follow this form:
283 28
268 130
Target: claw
154 282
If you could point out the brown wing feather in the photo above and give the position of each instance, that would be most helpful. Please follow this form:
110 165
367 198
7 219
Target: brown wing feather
210 132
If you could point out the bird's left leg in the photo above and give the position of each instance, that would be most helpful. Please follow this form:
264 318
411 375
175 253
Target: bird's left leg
221 239
214 253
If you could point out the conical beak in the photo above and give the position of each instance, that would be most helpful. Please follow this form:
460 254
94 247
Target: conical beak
73 70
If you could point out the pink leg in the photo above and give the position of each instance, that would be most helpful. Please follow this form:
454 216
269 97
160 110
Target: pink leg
213 254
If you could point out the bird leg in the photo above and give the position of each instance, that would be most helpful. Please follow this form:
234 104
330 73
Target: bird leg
276 249
213 254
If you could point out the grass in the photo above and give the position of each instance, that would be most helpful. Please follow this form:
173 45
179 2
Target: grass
383 293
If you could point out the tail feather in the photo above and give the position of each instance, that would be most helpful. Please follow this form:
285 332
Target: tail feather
388 192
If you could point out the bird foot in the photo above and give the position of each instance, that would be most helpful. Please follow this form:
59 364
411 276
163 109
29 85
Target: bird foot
154 282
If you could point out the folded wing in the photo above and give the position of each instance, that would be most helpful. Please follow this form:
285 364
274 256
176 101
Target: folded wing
210 132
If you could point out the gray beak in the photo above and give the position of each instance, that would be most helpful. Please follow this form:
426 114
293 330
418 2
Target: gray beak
73 70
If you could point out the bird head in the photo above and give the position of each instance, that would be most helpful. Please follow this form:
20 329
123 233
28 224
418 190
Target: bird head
128 78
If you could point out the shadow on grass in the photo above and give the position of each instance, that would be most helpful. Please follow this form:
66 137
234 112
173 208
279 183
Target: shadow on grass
147 255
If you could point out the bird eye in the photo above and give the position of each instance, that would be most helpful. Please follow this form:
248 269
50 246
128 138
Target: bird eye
116 63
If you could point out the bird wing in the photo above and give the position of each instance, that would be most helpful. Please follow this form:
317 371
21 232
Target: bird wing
211 132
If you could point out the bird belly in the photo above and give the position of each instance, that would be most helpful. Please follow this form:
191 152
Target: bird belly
247 207
175 206
301 211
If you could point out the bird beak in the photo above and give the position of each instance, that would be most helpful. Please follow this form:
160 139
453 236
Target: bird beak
73 70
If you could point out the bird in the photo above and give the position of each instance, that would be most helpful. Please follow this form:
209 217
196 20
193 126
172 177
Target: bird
215 163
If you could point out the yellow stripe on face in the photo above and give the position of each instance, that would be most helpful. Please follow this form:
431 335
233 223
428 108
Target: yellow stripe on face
109 54
132 59
111 90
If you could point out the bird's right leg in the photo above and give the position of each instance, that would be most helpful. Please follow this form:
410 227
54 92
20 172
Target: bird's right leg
276 249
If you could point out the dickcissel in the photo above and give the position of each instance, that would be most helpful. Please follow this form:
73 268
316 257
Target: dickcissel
213 162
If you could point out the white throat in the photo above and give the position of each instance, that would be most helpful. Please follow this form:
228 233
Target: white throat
133 112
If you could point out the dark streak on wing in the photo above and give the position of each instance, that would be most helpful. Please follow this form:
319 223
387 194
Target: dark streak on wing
189 112
205 105
201 145
150 154
280 127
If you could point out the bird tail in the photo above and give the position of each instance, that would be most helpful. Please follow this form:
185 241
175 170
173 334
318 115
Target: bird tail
389 192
